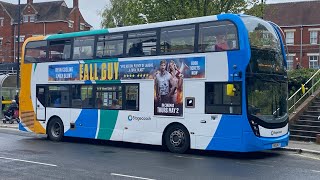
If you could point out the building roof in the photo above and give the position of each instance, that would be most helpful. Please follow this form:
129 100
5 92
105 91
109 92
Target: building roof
293 13
47 11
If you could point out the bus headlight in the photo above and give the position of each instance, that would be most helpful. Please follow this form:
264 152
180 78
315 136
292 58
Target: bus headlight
255 127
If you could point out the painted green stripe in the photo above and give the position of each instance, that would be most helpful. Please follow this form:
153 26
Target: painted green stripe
76 34
100 60
35 67
108 119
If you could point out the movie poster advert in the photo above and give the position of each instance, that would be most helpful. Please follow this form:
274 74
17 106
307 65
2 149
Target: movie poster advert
66 72
191 67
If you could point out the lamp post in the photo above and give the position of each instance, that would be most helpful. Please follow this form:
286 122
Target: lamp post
18 54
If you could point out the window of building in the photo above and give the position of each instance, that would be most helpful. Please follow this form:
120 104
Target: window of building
22 37
32 18
36 52
82 26
290 62
313 37
217 36
178 39
313 62
110 46
83 47
217 101
59 50
1 21
70 24
142 43
59 96
25 18
290 37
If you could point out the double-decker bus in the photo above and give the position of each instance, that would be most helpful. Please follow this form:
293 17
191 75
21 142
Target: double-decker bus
210 83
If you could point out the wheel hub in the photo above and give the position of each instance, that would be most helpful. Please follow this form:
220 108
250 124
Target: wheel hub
177 138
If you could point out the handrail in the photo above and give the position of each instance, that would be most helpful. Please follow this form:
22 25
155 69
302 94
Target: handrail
316 73
311 89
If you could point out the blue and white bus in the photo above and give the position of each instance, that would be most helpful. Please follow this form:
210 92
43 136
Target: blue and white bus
209 83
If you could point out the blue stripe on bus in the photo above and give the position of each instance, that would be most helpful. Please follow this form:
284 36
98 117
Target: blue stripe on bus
85 125
22 128
238 58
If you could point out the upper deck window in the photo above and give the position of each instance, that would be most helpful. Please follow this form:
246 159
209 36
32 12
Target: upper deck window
83 48
178 39
59 50
142 43
110 46
218 36
36 52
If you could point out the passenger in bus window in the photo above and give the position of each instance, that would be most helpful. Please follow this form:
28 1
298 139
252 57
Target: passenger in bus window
115 104
222 44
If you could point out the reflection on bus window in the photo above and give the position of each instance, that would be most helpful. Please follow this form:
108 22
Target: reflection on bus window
217 36
59 50
58 96
109 97
142 43
175 40
36 52
110 46
83 47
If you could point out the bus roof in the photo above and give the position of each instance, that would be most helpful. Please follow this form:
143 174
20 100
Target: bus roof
142 26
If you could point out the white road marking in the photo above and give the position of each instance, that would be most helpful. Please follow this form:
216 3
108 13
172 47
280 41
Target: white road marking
33 162
128 176
315 171
187 157
310 157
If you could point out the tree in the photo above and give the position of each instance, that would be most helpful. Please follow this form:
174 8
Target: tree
130 12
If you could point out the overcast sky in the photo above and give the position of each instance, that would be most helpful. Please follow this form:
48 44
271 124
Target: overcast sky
90 8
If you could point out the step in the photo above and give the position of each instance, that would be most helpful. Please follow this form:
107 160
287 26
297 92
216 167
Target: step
314 108
305 127
307 122
304 133
302 138
308 117
312 113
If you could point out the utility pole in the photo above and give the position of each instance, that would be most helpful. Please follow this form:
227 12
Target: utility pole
18 54
262 8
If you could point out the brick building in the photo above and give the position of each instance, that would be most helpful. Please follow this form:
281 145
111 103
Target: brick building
300 23
36 19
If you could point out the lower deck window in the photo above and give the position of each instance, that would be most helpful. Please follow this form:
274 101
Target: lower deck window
217 101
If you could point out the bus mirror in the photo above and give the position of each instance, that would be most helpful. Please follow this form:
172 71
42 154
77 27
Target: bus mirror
230 90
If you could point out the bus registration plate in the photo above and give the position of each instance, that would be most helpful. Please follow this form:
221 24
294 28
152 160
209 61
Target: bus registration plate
276 145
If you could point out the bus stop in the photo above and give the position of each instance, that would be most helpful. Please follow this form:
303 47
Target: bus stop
8 89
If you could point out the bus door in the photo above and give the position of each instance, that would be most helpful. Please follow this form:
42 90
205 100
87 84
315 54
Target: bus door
41 103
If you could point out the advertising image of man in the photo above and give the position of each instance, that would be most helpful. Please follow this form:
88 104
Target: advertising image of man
162 83
175 81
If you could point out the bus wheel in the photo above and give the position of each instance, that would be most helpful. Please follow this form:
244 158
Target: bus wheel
177 139
55 130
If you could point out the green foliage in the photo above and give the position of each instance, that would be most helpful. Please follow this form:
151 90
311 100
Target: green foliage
297 77
126 12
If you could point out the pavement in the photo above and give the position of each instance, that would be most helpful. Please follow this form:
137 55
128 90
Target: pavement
294 146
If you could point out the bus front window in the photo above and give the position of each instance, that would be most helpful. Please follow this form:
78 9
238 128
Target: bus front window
266 78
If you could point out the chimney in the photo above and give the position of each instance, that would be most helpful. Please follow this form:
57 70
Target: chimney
30 1
75 3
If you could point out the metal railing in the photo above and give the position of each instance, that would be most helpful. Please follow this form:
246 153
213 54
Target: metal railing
299 97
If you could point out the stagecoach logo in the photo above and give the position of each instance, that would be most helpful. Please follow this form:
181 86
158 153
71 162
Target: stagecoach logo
276 132
138 118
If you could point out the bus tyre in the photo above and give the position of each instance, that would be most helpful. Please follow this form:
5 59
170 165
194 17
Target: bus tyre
55 130
177 139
